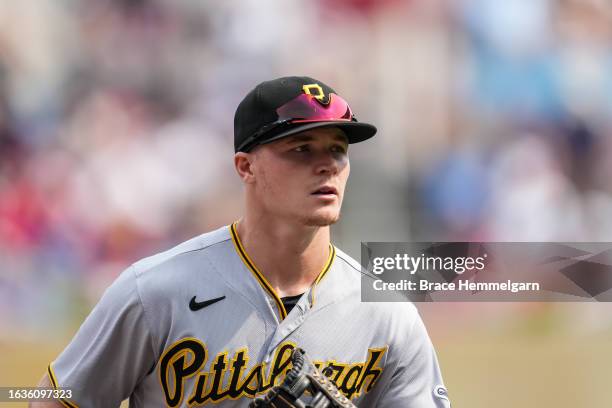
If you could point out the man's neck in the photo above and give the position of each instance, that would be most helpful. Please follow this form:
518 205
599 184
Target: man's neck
290 256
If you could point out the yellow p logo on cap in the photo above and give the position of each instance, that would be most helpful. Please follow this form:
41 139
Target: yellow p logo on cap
320 95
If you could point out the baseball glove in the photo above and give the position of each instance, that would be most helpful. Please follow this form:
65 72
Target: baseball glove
302 377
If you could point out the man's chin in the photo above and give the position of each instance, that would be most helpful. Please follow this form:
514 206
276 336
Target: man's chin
321 220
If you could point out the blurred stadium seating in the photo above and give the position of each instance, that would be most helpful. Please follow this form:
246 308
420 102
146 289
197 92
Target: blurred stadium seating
494 125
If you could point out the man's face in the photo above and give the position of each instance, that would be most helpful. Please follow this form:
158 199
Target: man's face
302 177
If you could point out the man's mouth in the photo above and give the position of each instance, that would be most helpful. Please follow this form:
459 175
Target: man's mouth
325 190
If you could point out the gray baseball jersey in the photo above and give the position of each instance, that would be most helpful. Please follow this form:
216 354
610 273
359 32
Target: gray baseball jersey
200 325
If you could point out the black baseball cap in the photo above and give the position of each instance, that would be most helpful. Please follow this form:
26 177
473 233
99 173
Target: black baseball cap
285 106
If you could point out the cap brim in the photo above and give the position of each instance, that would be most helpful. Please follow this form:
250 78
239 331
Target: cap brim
355 131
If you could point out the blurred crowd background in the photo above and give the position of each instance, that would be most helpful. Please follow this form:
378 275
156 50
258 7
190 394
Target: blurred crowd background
116 127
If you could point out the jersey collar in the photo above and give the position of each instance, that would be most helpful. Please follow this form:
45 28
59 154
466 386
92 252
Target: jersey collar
267 287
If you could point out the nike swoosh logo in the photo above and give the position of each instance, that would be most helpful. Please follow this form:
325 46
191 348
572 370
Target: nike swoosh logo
195 306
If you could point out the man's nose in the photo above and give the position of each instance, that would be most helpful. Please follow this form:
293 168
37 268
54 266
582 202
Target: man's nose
327 162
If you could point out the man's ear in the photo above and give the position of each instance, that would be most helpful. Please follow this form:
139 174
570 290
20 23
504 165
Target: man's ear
243 162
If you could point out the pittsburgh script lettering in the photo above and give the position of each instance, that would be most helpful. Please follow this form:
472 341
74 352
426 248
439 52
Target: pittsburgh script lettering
228 378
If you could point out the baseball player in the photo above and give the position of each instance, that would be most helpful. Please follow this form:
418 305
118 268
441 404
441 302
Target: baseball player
214 321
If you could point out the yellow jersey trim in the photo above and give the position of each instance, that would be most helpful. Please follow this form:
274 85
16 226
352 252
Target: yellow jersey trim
53 379
258 275
328 264
264 282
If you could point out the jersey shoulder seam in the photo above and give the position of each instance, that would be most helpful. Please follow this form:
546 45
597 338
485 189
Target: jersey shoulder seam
350 263
201 248
138 271
144 311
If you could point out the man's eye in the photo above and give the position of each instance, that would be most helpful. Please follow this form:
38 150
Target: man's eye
339 149
302 148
